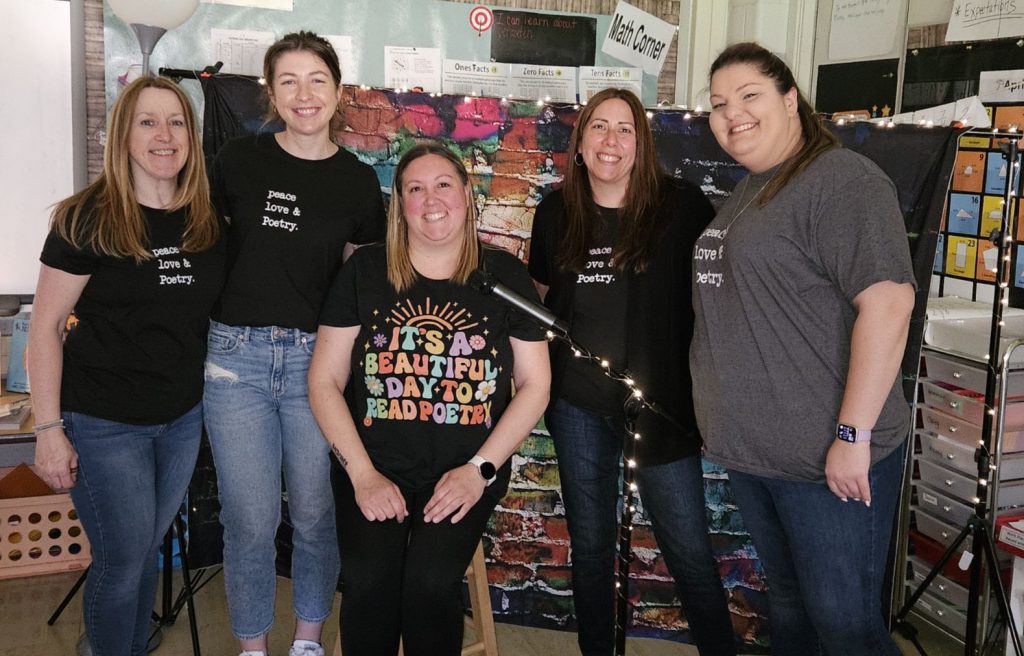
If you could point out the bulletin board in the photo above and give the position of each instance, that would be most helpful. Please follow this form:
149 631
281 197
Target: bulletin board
372 25
967 248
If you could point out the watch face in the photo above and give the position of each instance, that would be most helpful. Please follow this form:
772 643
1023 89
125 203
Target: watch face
487 470
846 433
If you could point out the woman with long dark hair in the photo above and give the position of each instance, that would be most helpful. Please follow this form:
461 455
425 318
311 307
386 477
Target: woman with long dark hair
608 249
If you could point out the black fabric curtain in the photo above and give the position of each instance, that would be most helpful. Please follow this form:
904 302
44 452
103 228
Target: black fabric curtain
936 76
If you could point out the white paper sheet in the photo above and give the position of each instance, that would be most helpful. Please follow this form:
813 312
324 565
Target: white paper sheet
1001 86
241 51
554 83
864 28
476 78
596 78
971 20
407 67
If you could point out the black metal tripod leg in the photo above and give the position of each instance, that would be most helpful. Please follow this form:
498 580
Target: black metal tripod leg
1001 597
68 597
186 576
936 569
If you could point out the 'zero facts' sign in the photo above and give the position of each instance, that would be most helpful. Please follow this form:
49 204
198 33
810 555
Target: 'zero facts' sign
481 18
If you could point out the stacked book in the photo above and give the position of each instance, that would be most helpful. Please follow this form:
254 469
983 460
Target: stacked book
14 411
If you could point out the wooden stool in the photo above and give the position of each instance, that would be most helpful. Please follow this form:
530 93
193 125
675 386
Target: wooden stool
482 621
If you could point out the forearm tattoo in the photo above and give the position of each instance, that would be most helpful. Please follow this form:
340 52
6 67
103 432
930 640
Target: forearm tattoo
337 454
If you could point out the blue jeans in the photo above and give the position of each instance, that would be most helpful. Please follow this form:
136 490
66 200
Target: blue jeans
131 482
824 559
589 449
259 424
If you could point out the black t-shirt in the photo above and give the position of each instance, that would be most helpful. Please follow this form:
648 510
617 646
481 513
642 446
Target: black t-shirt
136 355
658 314
599 322
290 220
432 366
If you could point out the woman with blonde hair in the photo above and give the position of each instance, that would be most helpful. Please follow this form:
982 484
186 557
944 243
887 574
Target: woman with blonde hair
426 441
138 256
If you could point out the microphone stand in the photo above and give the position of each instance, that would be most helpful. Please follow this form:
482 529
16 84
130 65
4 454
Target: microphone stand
634 403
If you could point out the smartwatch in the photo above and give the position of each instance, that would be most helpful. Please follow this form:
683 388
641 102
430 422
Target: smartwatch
852 434
487 470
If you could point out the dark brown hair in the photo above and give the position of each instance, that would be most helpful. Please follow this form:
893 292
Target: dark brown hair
817 138
297 41
636 216
106 216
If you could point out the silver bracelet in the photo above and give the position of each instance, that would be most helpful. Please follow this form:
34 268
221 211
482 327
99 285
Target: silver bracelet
39 428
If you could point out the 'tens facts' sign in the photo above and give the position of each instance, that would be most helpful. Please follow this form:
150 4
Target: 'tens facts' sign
638 38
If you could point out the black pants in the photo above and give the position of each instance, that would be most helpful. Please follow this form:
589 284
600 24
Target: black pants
404 580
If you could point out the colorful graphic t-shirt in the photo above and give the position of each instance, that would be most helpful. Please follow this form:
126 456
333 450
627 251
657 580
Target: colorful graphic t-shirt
432 366
136 355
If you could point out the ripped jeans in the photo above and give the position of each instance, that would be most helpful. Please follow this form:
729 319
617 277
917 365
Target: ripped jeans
256 406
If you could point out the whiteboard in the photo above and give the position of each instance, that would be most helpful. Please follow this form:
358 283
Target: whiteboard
36 155
865 28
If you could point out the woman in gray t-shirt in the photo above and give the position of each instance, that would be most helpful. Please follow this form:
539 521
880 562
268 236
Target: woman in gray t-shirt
803 290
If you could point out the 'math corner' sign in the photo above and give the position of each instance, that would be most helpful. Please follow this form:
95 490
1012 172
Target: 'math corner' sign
638 38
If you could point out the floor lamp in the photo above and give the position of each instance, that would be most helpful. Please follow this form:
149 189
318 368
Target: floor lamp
150 19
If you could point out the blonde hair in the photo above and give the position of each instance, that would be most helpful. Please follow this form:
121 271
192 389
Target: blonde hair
106 216
401 273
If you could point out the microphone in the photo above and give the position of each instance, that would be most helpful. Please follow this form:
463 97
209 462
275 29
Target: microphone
488 284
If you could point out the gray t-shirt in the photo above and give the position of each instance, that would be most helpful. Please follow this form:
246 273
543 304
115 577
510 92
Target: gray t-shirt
773 291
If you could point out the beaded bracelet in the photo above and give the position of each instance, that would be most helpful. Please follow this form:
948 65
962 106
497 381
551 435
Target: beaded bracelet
39 428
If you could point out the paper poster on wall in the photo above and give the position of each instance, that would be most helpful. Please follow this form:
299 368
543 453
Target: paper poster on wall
343 46
1001 86
964 213
596 78
638 38
241 50
985 266
407 67
969 170
961 256
995 173
556 83
971 20
282 5
864 28
991 214
523 37
475 78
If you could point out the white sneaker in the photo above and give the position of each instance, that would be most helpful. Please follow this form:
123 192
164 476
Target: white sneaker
306 648
253 653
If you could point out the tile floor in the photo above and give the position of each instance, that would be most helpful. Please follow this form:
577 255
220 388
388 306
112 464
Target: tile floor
25 605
